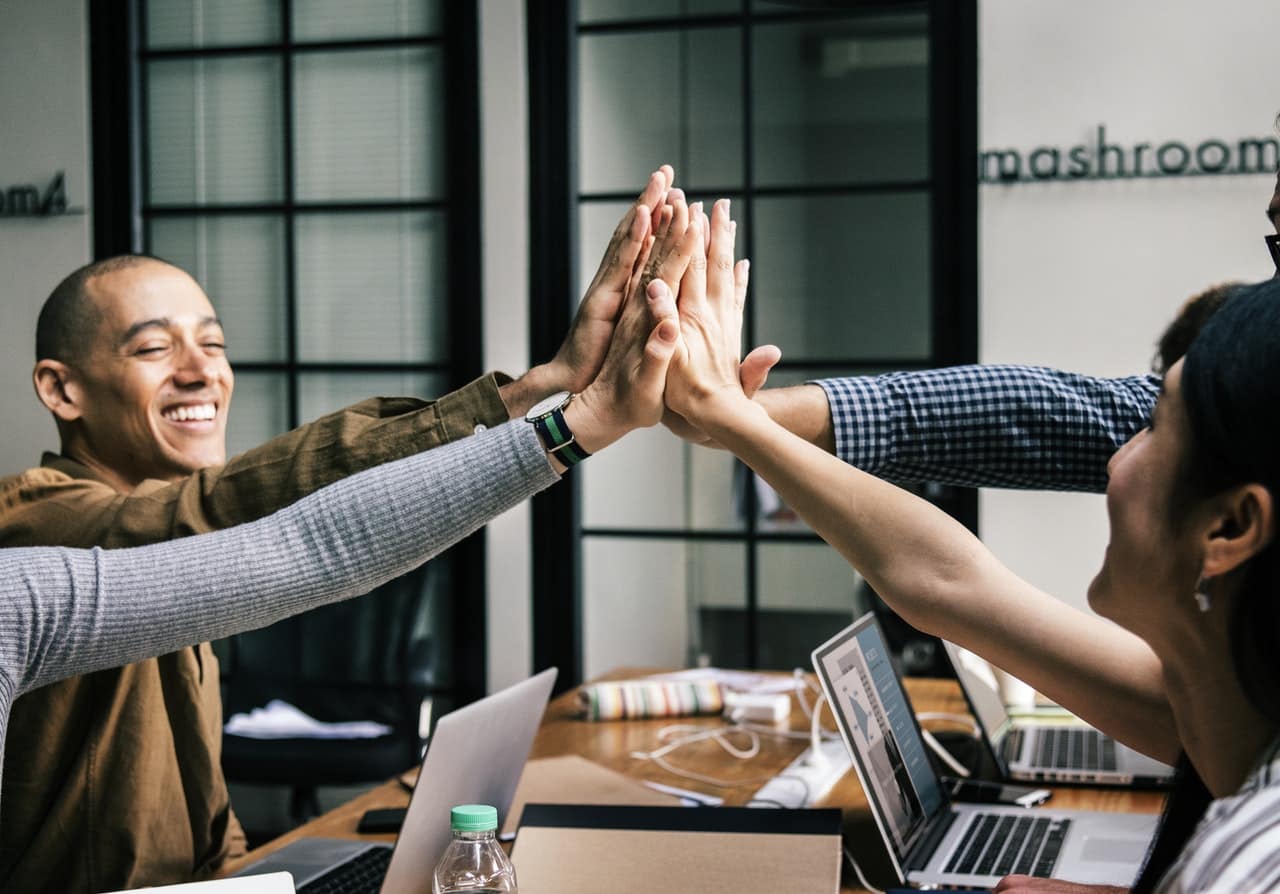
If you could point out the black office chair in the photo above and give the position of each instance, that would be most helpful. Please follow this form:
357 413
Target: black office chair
379 657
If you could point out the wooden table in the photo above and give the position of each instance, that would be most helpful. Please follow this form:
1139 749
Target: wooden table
611 744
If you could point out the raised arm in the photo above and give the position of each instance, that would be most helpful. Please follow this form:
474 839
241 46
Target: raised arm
927 566
1026 427
72 611
980 426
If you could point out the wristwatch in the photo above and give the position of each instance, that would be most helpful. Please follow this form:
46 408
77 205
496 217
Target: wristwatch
547 417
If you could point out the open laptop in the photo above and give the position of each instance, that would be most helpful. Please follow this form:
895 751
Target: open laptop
932 841
1042 750
475 757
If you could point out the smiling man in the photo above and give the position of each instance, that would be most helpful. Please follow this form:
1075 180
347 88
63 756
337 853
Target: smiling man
132 364
112 780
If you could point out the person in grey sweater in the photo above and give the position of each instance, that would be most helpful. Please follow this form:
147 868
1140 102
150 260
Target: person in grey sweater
65 612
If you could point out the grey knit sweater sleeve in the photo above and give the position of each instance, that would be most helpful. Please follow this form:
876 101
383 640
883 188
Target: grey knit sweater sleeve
65 612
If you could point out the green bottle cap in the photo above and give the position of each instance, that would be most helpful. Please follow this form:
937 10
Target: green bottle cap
473 818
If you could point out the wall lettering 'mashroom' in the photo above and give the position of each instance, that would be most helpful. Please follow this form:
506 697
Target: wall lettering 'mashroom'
1101 160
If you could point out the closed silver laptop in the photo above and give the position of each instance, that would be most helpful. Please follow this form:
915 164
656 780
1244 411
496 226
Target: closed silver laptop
930 840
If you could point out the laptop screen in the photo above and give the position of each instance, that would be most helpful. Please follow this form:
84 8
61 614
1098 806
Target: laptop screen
873 711
977 680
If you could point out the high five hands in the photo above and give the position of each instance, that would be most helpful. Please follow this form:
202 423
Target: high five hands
665 359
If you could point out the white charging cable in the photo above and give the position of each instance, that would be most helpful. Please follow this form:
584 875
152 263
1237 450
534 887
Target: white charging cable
937 748
862 879
686 734
692 734
817 757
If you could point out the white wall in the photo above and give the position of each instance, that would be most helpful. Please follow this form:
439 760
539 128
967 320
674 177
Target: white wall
44 104
1085 275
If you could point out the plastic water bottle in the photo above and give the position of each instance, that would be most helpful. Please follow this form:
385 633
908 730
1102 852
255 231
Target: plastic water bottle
474 863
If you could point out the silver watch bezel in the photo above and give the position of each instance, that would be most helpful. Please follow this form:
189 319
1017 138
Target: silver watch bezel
548 405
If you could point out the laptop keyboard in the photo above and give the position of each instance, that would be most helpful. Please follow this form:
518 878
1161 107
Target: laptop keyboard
1000 845
362 874
1075 749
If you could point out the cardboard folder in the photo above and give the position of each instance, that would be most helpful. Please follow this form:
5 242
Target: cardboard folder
581 849
575 780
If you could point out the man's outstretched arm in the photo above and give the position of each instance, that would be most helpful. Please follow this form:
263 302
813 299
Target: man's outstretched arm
976 426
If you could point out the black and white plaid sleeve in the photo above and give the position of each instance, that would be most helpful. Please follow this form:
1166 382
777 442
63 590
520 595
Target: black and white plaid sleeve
988 426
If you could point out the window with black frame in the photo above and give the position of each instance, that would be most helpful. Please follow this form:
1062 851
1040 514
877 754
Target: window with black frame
312 164
825 124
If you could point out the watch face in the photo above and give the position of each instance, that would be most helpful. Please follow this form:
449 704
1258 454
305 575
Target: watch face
545 406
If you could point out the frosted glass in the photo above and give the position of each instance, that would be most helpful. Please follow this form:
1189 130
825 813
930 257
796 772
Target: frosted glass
807 577
369 125
841 102
259 410
649 98
323 393
214 130
315 20
239 261
183 24
372 288
643 600
843 277
651 479
807 594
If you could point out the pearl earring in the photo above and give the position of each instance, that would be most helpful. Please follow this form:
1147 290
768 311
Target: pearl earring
1203 601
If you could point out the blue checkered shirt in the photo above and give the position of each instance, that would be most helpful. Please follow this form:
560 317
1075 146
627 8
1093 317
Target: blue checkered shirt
988 426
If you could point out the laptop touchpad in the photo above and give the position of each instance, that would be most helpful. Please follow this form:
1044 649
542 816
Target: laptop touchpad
1113 850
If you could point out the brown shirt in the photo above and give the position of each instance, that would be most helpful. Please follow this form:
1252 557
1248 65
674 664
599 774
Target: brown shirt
112 780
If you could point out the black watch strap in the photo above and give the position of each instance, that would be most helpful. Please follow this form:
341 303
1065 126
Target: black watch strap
557 438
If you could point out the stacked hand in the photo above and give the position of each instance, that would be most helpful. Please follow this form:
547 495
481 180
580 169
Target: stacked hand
619 351
582 354
627 391
706 375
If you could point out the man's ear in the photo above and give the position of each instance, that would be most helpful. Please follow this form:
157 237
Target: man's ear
1243 526
57 388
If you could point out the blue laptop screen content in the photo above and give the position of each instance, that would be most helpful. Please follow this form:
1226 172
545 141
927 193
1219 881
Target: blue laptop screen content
884 731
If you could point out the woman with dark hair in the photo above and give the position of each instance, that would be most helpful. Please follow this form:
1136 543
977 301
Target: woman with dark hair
1190 575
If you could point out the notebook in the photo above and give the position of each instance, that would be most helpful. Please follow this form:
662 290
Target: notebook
1044 751
475 757
580 849
930 840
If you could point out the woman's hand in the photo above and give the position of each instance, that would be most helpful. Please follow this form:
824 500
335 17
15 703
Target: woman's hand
706 376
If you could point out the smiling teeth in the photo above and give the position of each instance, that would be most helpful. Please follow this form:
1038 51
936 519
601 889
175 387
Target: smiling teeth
201 413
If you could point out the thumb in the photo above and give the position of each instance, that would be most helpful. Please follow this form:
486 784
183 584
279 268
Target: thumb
662 304
753 372
651 376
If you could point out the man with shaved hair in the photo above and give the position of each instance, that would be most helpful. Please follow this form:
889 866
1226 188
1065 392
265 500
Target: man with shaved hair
112 780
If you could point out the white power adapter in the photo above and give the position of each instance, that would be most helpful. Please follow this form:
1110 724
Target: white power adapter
808 778
752 707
